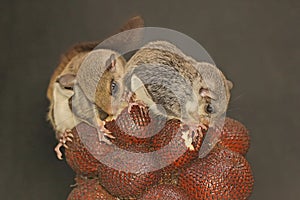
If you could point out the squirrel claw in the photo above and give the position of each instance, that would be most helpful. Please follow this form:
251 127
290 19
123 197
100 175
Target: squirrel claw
65 137
109 136
195 131
103 133
104 137
130 98
70 135
140 104
57 151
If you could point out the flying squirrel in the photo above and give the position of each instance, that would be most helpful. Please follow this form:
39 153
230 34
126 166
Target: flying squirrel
161 77
69 103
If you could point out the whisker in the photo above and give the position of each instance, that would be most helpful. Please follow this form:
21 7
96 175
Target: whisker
236 98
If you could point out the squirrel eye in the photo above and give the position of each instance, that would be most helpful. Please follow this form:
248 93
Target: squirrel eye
209 109
68 88
114 88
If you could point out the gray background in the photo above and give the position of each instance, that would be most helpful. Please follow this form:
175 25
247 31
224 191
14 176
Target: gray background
255 43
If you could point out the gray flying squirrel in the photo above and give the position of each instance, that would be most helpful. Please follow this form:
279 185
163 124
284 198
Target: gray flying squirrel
69 94
160 76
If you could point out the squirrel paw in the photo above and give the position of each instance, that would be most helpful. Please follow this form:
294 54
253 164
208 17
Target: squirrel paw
66 136
140 104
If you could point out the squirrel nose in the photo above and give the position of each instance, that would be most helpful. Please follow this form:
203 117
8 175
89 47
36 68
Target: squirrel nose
205 121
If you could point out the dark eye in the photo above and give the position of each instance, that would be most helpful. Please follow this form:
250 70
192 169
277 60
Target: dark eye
68 88
114 88
209 109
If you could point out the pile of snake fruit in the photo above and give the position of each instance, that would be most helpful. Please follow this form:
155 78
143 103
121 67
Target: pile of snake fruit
151 126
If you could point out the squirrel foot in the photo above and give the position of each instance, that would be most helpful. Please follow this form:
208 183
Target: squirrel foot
66 136
138 103
104 134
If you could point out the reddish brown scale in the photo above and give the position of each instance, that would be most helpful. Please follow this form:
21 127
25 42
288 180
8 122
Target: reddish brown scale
133 180
223 174
165 192
135 131
169 177
167 146
163 139
79 157
235 136
89 189
195 176
177 152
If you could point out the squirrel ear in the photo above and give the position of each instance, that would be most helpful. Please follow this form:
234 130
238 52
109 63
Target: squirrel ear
136 83
66 80
139 89
111 63
204 92
132 23
229 84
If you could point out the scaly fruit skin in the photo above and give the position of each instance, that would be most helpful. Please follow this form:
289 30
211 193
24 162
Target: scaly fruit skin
126 183
235 136
141 132
89 189
166 147
135 131
222 174
165 192
82 151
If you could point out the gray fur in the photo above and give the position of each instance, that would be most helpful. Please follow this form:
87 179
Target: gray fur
183 77
182 86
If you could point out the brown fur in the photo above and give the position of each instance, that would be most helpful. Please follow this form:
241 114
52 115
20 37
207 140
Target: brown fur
75 50
134 22
164 53
102 99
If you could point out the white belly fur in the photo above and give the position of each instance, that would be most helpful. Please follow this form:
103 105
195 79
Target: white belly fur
63 116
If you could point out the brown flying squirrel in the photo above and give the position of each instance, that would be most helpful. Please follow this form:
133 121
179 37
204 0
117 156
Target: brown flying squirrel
163 78
94 92
63 83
